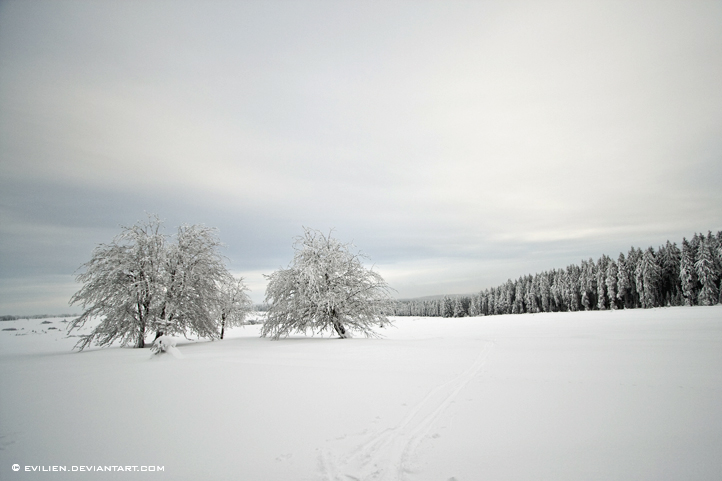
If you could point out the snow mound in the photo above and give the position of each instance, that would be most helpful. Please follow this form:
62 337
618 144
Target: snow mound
166 344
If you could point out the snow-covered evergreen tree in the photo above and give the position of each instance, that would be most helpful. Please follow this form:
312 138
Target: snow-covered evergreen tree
531 303
326 287
601 271
624 285
518 305
611 283
718 257
545 292
668 257
709 293
509 293
475 305
447 307
558 288
571 288
458 308
634 257
647 277
688 274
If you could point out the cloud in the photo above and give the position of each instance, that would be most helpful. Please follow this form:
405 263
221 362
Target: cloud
423 132
38 295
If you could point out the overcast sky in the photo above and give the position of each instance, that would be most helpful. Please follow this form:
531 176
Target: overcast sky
457 144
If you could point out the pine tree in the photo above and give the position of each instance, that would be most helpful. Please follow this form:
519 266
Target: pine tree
518 305
545 292
448 307
475 305
510 293
611 283
709 294
634 258
458 308
624 286
669 260
587 284
572 294
531 296
558 283
647 277
491 297
718 257
602 298
688 274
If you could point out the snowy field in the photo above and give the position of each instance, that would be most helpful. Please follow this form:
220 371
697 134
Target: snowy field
569 396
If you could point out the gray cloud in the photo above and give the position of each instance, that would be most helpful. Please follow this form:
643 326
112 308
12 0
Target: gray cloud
458 144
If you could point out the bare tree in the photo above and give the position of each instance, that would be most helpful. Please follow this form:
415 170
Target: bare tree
234 304
326 287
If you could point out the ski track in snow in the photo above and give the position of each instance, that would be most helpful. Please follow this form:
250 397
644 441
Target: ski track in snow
388 455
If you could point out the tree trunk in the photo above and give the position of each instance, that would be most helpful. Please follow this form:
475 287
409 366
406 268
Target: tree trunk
141 339
142 312
223 327
340 330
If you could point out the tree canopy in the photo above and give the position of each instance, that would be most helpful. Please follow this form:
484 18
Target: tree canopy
325 288
144 282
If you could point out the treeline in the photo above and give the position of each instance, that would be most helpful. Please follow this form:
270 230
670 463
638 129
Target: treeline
669 276
36 316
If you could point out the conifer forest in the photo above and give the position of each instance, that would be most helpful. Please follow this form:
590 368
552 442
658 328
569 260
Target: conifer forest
667 276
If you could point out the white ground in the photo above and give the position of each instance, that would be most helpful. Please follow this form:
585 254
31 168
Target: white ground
572 396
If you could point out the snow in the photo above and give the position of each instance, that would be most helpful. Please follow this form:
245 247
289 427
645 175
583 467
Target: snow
166 345
564 396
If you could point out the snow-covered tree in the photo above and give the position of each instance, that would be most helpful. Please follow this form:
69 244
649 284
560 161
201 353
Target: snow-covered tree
587 284
326 287
123 285
602 294
709 294
634 257
194 271
233 304
688 273
668 257
647 275
624 285
557 290
510 294
545 292
447 307
142 283
572 296
718 257
518 304
611 283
